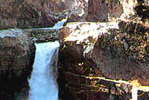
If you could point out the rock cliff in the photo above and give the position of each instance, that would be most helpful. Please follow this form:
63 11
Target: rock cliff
101 10
95 57
17 53
97 61
104 61
38 13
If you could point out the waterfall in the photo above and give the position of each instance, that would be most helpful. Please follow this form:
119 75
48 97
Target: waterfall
42 83
59 24
134 93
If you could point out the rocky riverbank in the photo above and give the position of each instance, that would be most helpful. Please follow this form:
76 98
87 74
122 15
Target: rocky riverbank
17 53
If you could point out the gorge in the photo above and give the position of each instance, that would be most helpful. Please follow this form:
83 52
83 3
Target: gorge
42 85
102 54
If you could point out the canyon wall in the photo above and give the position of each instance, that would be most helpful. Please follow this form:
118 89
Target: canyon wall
45 13
89 54
17 53
105 60
37 13
94 60
101 10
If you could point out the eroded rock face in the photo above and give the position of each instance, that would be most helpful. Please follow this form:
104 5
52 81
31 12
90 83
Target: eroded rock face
141 10
99 10
42 35
123 55
79 11
105 10
75 65
17 53
93 50
37 13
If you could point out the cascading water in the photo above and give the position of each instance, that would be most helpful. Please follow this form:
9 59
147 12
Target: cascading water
134 93
59 24
42 83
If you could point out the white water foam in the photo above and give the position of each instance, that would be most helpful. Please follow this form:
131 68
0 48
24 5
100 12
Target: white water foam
59 24
42 84
134 93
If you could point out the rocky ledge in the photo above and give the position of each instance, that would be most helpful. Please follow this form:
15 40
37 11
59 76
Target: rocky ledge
17 53
41 34
103 61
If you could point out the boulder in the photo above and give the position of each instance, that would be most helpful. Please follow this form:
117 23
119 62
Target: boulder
17 53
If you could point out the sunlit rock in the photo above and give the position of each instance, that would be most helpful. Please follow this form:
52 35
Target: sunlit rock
77 69
111 52
128 8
